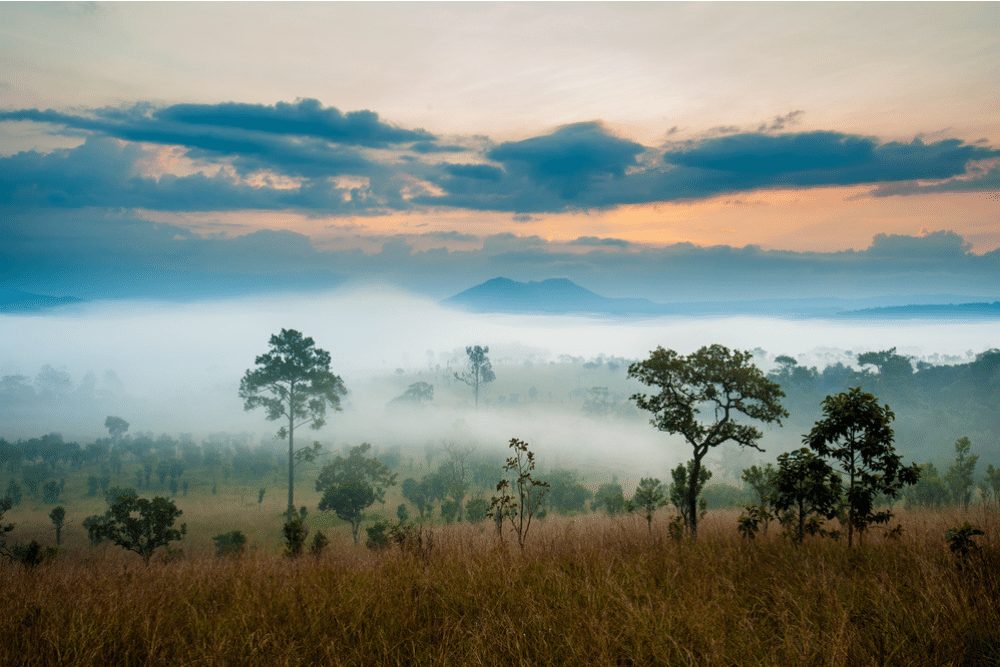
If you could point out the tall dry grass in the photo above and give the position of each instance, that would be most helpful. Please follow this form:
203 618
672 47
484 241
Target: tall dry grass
588 590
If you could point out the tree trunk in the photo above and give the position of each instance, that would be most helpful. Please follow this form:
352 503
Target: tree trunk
291 464
355 529
692 499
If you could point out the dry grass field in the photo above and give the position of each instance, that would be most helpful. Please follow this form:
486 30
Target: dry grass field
587 590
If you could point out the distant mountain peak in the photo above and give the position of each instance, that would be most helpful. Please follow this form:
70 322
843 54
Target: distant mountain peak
551 296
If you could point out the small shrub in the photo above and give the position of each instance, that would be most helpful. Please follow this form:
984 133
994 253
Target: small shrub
295 533
232 543
378 535
319 543
961 540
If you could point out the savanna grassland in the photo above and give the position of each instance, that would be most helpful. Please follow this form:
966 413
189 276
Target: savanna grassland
589 589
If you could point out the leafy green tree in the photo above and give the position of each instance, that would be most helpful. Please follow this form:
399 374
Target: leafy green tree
378 535
5 528
352 484
856 432
476 510
292 381
649 496
990 486
232 543
891 366
453 475
566 494
419 494
138 524
806 486
519 509
318 544
417 393
706 397
960 476
117 427
14 493
58 518
479 370
929 491
51 491
761 481
609 497
683 487
294 532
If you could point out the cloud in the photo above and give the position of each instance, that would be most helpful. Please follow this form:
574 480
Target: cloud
575 167
598 242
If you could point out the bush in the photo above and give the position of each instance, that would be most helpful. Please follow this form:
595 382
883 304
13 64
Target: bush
232 543
378 535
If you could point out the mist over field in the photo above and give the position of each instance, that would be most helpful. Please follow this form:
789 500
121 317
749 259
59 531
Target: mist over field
175 368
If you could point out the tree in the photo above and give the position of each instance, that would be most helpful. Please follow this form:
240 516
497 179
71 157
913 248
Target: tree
353 484
453 475
686 485
479 370
609 497
701 397
58 518
137 524
475 510
856 432
232 543
649 496
929 491
292 382
566 494
417 393
294 532
889 364
519 510
117 427
417 493
990 486
959 477
761 481
807 486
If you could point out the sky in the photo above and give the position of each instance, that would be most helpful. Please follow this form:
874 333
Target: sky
672 151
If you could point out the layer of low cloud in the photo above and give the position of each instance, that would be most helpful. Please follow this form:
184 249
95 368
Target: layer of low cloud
95 253
575 167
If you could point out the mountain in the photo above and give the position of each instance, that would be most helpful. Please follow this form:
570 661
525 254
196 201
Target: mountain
552 296
16 301
963 311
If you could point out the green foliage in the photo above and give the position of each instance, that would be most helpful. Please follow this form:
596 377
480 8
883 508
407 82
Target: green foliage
232 543
701 397
420 494
961 540
960 476
649 496
58 518
117 427
14 493
566 494
138 524
476 510
609 497
761 481
5 528
479 370
31 554
856 432
450 510
890 365
749 522
990 486
417 393
352 484
294 532
684 487
519 509
318 544
260 495
929 490
292 381
378 535
402 514
807 489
